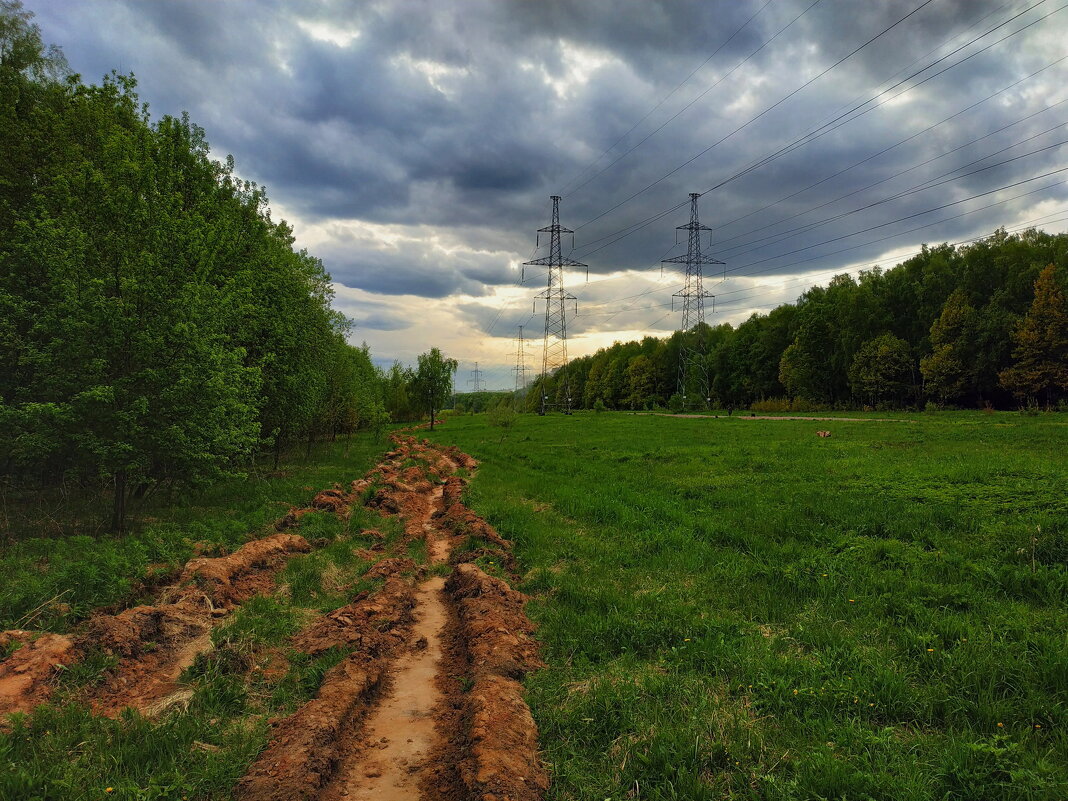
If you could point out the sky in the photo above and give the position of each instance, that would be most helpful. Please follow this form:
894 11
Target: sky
414 145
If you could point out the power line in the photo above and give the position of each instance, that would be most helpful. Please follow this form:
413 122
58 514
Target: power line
628 230
765 111
674 116
748 247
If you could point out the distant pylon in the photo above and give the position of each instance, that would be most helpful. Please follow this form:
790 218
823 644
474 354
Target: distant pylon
693 301
520 363
554 354
476 379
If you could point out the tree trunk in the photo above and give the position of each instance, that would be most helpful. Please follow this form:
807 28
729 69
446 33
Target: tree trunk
118 506
432 417
277 450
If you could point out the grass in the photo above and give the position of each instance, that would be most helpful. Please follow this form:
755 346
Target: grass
740 609
53 582
204 744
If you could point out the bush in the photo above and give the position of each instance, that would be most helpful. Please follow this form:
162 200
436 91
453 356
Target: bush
502 415
599 406
675 403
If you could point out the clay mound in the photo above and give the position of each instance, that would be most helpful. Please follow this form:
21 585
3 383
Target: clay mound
369 623
20 636
128 633
461 520
228 580
304 753
390 566
332 500
26 676
306 747
292 518
502 759
494 623
452 491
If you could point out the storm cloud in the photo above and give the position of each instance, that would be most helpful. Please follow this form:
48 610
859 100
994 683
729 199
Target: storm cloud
413 145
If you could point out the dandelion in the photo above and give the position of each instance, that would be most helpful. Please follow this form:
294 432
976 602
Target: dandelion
930 650
687 639
795 692
1001 725
871 704
824 575
1038 725
852 601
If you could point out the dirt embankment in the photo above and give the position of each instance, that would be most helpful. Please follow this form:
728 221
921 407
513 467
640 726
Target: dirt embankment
425 703
154 643
429 703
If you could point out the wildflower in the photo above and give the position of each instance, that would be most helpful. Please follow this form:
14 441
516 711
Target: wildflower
1001 725
930 650
824 575
795 692
687 639
1038 725
856 700
871 704
852 601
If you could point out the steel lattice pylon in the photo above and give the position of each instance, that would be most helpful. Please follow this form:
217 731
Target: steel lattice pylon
693 301
554 355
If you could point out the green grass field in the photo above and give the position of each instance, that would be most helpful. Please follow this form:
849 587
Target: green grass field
739 609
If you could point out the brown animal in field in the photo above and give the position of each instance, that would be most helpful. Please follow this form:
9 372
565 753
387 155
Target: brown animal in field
823 434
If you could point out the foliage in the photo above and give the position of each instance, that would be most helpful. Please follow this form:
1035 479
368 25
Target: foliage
1041 352
881 371
156 325
956 309
431 385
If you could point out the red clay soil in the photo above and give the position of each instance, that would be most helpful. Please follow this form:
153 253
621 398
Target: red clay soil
27 676
156 643
501 755
305 748
393 721
233 579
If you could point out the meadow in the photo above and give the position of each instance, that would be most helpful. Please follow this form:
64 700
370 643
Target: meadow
737 608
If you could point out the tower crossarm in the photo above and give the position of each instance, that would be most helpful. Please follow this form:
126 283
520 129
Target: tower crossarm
692 259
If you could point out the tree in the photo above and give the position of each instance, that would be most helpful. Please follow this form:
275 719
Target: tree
432 385
948 370
882 369
641 379
1041 339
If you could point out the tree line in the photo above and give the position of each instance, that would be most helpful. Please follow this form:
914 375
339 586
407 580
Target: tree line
984 324
157 327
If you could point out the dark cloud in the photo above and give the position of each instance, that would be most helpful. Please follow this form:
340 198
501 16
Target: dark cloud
442 129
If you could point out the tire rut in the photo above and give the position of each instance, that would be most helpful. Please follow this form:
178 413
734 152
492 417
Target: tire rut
439 716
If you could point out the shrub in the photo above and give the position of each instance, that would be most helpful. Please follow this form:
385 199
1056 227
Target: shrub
502 415
599 406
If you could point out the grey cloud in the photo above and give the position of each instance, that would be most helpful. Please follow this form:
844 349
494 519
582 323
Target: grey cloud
477 141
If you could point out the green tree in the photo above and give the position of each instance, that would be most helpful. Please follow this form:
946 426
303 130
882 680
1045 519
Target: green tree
882 370
432 384
641 380
948 370
1041 339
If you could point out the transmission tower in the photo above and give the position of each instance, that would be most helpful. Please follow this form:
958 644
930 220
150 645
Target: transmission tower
554 354
476 379
693 301
520 368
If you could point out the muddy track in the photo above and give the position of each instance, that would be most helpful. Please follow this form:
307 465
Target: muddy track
435 710
427 701
153 644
